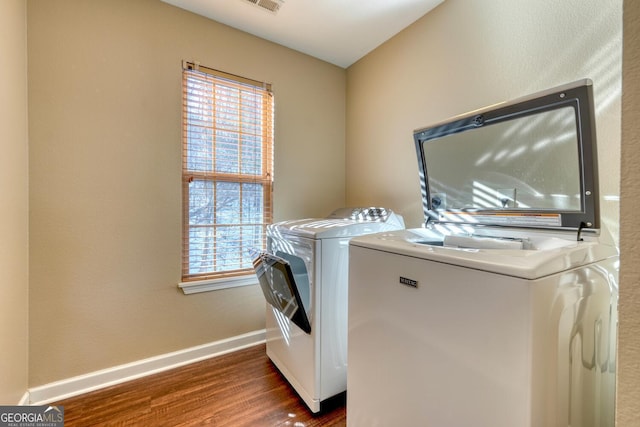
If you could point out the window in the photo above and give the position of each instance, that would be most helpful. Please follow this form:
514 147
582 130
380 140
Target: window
226 171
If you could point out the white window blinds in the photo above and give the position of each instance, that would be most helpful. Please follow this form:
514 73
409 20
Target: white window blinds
226 171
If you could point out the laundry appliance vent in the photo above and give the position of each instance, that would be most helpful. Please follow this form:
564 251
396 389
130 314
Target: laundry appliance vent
271 5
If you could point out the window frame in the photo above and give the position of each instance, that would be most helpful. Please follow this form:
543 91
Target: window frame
265 179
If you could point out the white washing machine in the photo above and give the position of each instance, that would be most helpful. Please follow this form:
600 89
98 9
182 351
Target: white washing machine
304 277
501 310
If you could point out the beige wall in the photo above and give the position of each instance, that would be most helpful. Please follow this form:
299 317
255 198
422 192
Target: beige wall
629 335
465 55
14 208
105 186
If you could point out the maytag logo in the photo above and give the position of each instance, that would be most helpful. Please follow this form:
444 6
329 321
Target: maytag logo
409 282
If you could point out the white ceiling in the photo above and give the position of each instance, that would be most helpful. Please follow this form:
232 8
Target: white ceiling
336 31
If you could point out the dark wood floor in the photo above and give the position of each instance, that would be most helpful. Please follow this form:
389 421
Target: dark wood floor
239 389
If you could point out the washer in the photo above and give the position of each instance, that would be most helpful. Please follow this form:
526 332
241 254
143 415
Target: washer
304 276
501 310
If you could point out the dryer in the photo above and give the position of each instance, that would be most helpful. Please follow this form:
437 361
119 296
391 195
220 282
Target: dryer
304 277
501 310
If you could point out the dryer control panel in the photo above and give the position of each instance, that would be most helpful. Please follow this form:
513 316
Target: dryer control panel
376 214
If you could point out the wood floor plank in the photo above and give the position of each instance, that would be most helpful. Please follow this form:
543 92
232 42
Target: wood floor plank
235 390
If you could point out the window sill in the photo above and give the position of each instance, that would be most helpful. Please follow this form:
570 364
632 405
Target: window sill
217 284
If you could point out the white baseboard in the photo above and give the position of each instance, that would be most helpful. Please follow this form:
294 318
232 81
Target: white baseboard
118 374
25 399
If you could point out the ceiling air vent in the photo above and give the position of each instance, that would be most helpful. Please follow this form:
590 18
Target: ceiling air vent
271 5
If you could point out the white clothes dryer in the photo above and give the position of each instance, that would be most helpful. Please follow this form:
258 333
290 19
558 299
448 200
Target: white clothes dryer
304 277
501 310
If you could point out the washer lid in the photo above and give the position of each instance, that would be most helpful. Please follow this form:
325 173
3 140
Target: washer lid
528 163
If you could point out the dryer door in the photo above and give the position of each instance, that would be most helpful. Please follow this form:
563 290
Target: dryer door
279 287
